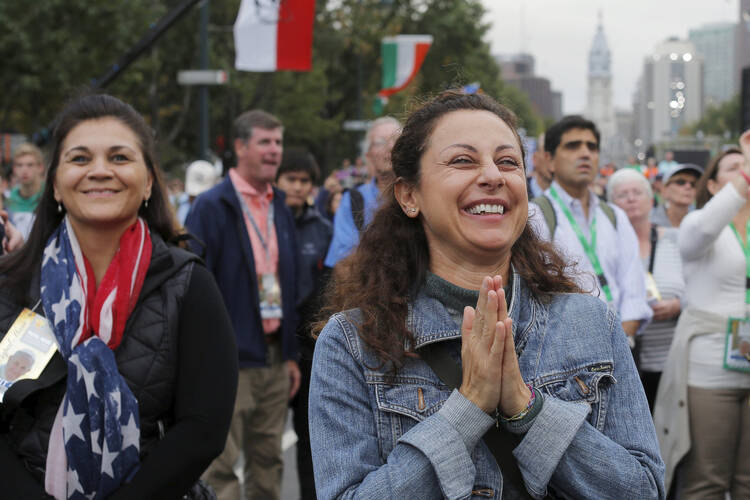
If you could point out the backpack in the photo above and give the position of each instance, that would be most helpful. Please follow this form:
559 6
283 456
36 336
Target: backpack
550 217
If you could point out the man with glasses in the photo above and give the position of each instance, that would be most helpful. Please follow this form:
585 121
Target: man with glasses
678 195
358 205
595 235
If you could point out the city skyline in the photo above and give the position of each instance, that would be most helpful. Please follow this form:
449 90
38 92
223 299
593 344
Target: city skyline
633 29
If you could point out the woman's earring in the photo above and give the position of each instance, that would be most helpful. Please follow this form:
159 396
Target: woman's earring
59 207
412 210
145 203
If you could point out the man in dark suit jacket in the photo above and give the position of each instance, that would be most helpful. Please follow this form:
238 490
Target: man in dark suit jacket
249 238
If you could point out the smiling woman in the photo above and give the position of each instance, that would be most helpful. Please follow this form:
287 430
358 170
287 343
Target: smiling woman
133 374
458 338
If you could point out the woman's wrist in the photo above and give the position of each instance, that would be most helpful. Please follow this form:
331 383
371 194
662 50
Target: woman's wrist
522 404
745 176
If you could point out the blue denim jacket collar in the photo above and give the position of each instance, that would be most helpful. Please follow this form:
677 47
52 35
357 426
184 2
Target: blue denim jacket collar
429 322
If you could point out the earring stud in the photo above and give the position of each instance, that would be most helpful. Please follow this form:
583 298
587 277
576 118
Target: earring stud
59 207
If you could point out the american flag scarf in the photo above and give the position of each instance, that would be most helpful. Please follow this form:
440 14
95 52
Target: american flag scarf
100 419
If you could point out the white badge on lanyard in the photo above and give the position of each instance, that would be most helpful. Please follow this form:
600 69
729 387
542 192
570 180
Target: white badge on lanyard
737 345
270 296
26 349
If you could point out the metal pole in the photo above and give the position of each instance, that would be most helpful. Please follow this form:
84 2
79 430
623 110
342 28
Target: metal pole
41 137
203 89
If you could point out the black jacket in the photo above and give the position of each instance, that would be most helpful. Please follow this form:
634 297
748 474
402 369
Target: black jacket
146 358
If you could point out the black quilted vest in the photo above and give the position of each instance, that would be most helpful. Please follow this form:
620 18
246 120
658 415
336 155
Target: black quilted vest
146 358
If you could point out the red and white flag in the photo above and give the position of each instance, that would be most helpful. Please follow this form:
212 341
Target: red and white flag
274 35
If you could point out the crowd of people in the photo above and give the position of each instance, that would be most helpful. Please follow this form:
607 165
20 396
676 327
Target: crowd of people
442 320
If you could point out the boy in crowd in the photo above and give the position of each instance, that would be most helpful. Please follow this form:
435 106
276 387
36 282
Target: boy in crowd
296 176
28 172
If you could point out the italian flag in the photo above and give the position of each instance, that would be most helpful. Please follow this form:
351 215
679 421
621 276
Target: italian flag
273 35
402 57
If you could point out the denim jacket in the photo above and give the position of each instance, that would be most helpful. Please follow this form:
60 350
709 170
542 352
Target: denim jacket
376 434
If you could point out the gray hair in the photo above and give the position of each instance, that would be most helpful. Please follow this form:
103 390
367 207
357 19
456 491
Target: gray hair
625 175
383 120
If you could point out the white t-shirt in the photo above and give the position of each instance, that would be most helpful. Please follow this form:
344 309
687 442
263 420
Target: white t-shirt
714 267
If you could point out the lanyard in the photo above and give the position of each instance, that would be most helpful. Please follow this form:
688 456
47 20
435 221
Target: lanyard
265 242
746 249
588 246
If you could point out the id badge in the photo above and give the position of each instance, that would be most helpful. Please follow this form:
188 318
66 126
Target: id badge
652 291
737 345
26 349
270 296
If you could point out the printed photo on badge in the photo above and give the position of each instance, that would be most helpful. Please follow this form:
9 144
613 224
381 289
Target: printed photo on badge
269 293
25 349
737 347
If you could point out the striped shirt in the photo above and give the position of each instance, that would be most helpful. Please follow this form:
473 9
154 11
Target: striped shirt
657 337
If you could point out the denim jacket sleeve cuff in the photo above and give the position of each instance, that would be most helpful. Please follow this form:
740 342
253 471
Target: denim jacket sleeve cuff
439 438
467 418
545 442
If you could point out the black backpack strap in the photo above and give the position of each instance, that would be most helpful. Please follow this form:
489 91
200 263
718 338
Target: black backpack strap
609 212
550 218
499 442
654 238
358 208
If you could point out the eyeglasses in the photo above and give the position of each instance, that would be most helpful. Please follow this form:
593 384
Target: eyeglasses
682 182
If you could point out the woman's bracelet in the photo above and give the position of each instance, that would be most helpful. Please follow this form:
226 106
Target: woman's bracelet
525 411
745 176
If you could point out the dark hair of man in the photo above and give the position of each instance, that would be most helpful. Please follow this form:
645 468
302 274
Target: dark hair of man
256 118
392 259
553 135
298 160
702 193
18 267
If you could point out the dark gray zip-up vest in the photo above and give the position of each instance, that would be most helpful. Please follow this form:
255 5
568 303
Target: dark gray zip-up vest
146 358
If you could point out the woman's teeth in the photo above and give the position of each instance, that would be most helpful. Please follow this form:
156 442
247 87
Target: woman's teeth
486 209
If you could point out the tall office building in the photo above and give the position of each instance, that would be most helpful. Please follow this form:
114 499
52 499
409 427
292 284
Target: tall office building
518 70
742 43
716 44
670 91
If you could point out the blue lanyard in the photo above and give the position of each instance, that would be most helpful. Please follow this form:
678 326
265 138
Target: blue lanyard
269 222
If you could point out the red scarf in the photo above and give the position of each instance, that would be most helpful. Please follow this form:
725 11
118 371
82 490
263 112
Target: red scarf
109 306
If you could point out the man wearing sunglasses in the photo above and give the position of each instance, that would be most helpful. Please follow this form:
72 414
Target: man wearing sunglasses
678 195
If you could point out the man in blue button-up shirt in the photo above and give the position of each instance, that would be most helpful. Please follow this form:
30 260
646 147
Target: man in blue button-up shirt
379 141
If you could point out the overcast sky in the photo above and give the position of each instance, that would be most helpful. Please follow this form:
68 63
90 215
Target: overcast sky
558 33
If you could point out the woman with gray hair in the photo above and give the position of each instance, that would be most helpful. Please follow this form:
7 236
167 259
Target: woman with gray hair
660 254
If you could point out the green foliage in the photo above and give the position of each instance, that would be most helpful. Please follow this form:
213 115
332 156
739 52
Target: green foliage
722 120
52 48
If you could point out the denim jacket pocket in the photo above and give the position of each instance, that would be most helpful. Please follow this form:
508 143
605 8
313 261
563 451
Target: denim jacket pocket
402 405
585 385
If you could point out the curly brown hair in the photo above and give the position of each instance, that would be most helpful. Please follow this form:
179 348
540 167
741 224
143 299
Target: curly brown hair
386 271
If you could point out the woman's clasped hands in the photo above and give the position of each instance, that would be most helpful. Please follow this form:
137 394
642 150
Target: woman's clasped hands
491 376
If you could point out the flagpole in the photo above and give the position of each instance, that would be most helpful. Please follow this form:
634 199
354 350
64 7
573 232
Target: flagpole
203 89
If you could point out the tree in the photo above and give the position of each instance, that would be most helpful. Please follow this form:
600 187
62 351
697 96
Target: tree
722 120
51 48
